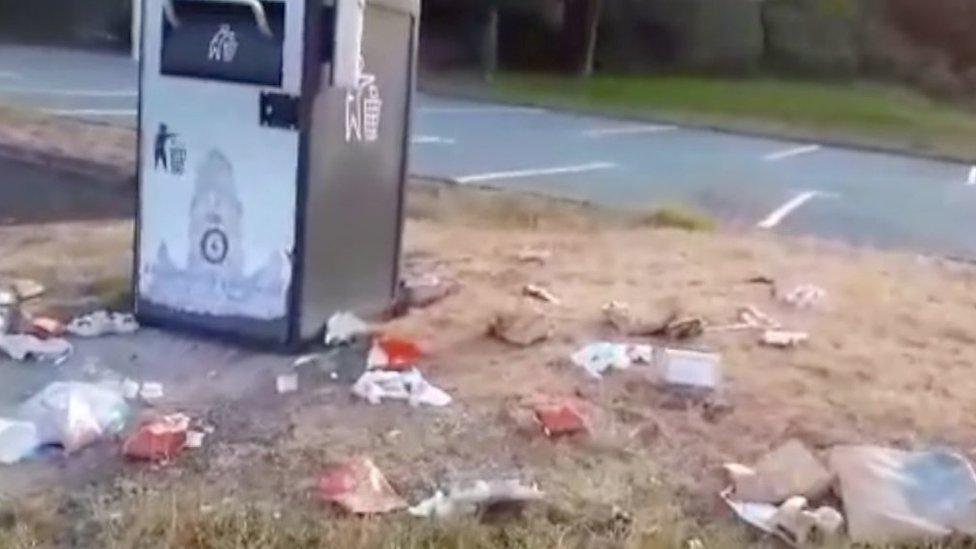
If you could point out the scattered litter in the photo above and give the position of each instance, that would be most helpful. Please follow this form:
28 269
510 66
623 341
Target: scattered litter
129 388
619 315
344 327
75 414
789 470
540 293
27 289
597 358
101 323
792 521
393 353
9 319
783 340
804 296
522 327
376 385
306 360
684 328
46 327
892 496
18 440
359 487
150 391
426 290
751 316
21 347
160 439
564 418
464 499
691 369
8 295
286 383
530 255
194 439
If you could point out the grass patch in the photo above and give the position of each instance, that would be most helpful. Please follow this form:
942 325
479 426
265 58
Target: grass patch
859 112
678 217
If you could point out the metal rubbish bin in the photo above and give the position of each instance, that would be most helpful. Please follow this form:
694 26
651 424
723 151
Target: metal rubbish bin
273 140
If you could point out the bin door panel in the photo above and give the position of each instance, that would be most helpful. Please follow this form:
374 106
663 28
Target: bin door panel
217 197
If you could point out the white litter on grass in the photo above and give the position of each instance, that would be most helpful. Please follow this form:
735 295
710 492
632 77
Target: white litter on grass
130 389
377 358
597 358
464 500
18 439
21 347
102 323
306 360
540 293
286 383
783 340
376 385
692 369
151 390
753 317
804 296
194 439
75 414
343 327
791 522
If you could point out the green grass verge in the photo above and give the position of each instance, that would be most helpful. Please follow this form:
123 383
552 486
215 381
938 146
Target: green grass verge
859 112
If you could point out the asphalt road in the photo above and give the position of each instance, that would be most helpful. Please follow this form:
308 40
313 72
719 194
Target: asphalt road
864 198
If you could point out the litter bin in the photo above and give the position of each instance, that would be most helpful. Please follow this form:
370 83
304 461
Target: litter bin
273 140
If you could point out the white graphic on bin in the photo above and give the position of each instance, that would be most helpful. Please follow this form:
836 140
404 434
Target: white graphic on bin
223 45
364 108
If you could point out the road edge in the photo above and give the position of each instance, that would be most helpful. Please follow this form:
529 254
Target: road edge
467 94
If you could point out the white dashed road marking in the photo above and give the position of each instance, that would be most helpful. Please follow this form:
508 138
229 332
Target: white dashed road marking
797 151
480 110
628 130
778 215
92 112
431 140
592 166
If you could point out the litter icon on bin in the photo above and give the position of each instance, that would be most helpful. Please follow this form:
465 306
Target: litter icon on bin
364 108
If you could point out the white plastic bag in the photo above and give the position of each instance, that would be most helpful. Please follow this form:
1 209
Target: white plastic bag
597 358
75 414
18 439
892 496
376 385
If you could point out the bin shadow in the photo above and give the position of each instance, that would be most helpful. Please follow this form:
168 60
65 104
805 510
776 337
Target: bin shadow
34 194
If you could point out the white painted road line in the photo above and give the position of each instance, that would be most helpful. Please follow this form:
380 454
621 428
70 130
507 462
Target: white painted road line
972 176
69 93
780 213
797 151
628 130
431 140
92 112
479 110
592 166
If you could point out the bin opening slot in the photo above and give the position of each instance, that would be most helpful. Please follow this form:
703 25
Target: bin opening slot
222 40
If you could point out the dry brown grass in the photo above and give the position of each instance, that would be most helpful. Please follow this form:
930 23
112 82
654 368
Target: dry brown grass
890 361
